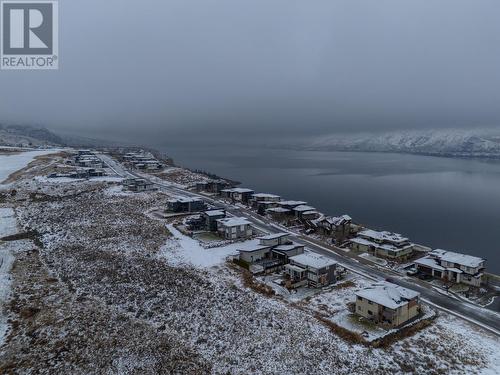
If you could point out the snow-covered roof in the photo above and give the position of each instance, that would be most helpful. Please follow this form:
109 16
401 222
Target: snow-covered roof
286 248
385 246
214 212
388 294
303 208
291 203
336 220
238 190
310 213
184 200
382 236
280 210
429 262
452 257
265 195
313 260
233 221
252 248
273 236
362 241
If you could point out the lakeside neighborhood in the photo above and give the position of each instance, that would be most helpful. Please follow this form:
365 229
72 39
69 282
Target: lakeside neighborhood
276 252
222 222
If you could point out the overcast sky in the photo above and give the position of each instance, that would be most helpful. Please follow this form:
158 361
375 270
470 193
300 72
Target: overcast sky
160 70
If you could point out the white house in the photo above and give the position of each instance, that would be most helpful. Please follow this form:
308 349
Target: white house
451 266
383 244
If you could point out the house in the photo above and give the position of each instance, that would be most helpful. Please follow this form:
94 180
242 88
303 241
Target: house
263 206
85 152
279 213
290 205
382 244
254 253
271 252
142 160
451 266
302 210
211 186
237 194
138 184
92 172
337 227
234 228
185 204
311 269
274 239
152 165
211 217
264 197
388 304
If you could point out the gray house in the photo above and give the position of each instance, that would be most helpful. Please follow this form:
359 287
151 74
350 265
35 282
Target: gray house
311 269
285 252
237 194
138 184
338 227
210 217
185 204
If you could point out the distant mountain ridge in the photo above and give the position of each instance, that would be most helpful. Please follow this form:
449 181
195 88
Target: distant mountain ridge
28 136
38 136
449 142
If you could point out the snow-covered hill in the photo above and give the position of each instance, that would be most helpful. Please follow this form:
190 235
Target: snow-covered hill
27 136
450 142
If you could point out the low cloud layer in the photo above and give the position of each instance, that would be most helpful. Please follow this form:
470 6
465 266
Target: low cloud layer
163 71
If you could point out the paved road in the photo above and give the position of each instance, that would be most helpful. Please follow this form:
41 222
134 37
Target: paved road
483 317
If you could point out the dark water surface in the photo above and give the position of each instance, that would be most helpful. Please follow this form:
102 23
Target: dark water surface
452 204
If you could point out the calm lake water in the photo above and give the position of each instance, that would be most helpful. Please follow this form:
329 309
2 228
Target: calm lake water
446 203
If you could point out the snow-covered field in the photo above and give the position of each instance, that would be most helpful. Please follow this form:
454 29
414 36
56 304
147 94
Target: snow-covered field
110 289
13 162
184 250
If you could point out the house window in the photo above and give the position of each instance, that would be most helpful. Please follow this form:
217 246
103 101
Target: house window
359 308
370 312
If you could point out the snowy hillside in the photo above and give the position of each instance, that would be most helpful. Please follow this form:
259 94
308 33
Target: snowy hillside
450 142
27 136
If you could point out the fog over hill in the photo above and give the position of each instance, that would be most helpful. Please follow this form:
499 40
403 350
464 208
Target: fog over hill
446 142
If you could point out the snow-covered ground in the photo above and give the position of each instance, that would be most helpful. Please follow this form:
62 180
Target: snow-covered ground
110 276
8 226
13 162
188 251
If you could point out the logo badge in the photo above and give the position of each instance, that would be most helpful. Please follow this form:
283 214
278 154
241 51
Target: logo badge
29 35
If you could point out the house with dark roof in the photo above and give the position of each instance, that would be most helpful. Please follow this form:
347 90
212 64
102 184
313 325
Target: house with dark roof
337 227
